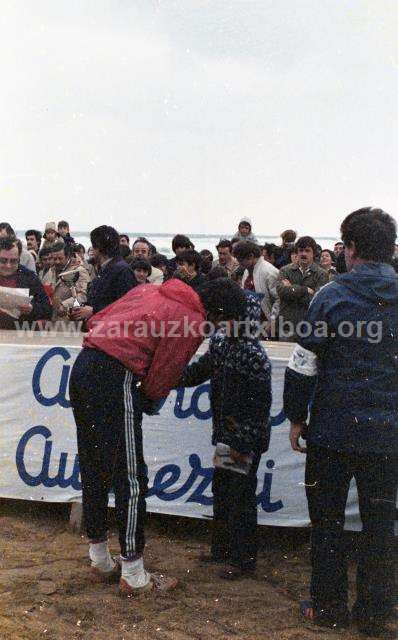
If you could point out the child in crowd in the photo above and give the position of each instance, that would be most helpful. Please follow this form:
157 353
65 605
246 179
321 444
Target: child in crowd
240 378
141 269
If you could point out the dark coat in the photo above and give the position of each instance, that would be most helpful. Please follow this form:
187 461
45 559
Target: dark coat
240 388
26 279
355 377
113 281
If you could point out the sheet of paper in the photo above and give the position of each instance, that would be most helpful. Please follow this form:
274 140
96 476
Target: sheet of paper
11 298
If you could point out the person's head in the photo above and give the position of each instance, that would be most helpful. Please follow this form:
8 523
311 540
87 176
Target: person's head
159 261
327 259
217 272
105 243
124 251
237 275
189 263
269 252
63 228
247 253
9 256
306 251
33 239
50 232
59 257
141 249
245 227
223 300
338 248
207 261
6 230
45 258
181 243
142 269
294 257
80 251
124 240
288 237
369 235
224 250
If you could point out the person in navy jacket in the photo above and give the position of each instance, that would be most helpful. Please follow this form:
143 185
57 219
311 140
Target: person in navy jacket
347 364
114 279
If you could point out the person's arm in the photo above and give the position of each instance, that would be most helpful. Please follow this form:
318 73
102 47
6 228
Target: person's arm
290 292
41 307
197 372
169 360
272 280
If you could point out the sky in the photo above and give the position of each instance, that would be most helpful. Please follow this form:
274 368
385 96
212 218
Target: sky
181 116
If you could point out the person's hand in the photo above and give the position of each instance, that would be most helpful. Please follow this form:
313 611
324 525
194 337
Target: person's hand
297 429
81 313
236 456
310 291
25 309
61 310
286 282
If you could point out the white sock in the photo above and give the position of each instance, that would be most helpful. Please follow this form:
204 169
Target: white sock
134 574
100 557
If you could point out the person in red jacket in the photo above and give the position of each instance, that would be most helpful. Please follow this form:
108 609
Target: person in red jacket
134 353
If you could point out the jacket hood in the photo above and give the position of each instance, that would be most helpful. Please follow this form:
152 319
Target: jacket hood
178 291
377 282
247 220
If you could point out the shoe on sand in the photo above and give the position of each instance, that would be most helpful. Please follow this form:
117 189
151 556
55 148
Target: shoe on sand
107 577
158 585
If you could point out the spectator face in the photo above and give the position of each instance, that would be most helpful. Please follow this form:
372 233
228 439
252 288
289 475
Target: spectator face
62 230
80 253
244 229
294 258
338 248
46 261
305 257
248 263
9 261
179 250
224 255
123 241
51 235
140 275
31 243
326 260
186 270
59 260
141 250
269 258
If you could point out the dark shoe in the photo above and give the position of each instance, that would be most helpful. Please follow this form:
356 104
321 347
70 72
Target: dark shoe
206 558
230 572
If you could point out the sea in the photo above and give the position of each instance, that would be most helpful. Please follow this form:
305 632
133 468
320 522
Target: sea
162 241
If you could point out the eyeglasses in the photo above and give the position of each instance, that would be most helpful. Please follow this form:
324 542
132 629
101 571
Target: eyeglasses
12 261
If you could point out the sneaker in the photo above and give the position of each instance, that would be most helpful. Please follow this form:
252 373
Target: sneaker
107 577
158 584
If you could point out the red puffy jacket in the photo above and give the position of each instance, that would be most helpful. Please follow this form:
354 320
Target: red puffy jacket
152 330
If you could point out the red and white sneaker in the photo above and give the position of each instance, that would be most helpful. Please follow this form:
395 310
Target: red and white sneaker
158 585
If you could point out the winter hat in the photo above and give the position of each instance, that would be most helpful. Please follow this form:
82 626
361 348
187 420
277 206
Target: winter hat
50 226
246 221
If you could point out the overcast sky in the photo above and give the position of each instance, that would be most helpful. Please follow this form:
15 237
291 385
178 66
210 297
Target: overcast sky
183 115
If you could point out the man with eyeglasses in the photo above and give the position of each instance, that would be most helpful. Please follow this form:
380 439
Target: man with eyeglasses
14 275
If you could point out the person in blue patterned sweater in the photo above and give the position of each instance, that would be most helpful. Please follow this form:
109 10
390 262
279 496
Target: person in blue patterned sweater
240 394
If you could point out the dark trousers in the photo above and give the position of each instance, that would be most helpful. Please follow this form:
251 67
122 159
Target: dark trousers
109 440
235 516
328 476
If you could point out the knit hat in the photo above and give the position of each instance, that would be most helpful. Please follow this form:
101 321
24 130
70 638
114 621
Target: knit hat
50 226
246 221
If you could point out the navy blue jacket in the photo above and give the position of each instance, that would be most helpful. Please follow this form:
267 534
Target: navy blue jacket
354 378
26 279
113 281
240 387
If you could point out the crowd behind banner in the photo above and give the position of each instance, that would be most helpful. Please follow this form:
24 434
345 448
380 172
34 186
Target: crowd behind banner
61 277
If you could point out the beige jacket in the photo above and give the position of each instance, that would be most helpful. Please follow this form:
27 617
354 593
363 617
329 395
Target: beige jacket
63 291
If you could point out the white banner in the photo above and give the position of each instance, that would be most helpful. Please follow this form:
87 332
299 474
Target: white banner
38 447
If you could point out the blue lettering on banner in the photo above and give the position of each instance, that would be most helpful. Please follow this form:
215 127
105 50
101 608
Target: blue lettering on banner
201 393
165 478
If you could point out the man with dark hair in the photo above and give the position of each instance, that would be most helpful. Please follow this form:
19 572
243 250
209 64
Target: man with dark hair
114 278
64 233
45 262
349 358
141 269
283 255
142 248
14 275
33 240
297 284
271 253
133 355
25 259
225 257
260 277
179 244
338 248
189 264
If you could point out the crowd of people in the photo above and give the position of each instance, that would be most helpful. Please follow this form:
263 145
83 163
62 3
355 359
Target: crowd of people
74 282
341 386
